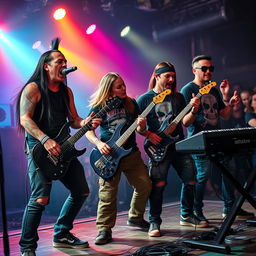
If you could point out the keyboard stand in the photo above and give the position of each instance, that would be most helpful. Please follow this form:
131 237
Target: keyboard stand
217 245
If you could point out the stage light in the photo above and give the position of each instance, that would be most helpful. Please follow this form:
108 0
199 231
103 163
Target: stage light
125 31
59 14
39 46
36 45
90 29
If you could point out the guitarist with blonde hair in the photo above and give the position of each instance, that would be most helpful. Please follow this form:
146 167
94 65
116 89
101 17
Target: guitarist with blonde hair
131 164
164 77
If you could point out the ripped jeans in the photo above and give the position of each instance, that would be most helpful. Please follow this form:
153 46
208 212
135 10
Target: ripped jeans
74 181
184 166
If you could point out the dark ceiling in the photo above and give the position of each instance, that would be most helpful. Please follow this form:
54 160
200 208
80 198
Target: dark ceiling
224 28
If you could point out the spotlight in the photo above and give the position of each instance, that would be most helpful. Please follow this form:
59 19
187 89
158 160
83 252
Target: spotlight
90 29
36 45
125 31
59 14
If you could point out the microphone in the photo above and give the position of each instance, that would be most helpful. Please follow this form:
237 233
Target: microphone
68 70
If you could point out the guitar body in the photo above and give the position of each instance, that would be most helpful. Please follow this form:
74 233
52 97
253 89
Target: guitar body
106 165
56 167
158 152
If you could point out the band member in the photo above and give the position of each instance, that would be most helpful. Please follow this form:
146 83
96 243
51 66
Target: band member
164 77
213 106
131 165
43 106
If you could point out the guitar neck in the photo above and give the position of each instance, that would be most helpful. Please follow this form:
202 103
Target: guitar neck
133 127
80 133
179 117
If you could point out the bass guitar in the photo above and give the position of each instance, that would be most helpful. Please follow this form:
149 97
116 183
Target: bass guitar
158 152
55 167
106 165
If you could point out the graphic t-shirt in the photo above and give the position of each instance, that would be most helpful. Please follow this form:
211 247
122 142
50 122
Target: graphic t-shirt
172 105
115 117
207 117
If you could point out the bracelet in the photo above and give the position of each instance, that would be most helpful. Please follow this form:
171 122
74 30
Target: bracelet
226 100
44 139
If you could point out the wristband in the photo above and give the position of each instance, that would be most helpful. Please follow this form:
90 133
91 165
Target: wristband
226 100
44 139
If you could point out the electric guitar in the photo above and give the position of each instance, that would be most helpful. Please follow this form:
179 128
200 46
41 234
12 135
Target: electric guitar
158 152
55 167
106 165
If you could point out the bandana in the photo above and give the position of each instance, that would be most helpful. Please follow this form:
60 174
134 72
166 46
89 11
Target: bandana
164 70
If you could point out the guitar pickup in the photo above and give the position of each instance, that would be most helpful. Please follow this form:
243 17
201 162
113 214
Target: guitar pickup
53 159
99 164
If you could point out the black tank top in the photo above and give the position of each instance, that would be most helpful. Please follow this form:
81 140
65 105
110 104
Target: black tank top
59 114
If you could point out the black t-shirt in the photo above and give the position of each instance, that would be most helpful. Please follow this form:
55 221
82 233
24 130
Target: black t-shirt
172 105
207 117
113 118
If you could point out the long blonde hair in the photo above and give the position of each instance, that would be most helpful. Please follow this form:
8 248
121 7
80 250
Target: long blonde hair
103 92
152 81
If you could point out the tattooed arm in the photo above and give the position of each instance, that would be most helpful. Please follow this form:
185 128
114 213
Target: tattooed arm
29 99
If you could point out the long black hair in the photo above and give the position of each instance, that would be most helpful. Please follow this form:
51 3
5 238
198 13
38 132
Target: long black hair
41 79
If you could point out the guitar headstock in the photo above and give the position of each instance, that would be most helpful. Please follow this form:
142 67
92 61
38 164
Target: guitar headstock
113 102
206 89
161 96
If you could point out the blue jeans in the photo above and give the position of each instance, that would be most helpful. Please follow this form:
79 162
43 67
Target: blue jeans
203 167
184 166
74 180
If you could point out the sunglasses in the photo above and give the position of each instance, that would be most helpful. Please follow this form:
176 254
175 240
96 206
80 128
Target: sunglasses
204 68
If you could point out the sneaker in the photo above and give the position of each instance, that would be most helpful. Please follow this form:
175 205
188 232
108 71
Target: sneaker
68 240
154 230
138 223
104 237
28 252
192 221
201 217
242 214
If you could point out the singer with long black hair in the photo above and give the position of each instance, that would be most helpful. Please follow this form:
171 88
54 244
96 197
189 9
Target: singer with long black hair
44 105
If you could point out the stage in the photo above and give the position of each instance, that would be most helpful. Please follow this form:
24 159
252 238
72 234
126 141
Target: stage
127 240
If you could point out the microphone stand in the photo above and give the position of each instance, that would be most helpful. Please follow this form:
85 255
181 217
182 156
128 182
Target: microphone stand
4 218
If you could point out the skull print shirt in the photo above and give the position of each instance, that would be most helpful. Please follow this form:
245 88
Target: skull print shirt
162 113
207 117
